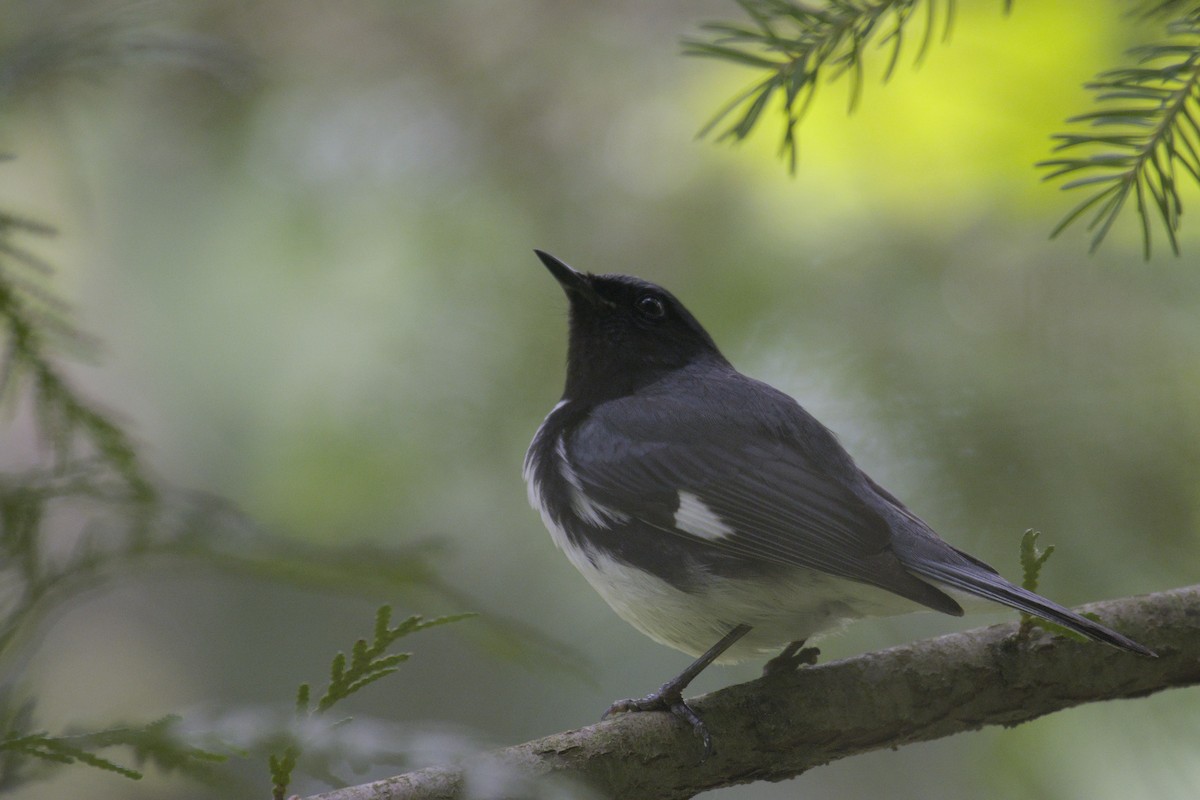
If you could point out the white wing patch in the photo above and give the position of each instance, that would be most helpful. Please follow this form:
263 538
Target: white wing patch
699 520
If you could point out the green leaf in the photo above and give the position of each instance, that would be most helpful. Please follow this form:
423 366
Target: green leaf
368 663
1032 559
743 57
1074 213
281 768
1091 180
302 698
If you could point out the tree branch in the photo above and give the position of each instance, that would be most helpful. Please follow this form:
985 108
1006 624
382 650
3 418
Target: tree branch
777 728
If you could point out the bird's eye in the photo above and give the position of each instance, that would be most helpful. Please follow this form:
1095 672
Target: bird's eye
650 307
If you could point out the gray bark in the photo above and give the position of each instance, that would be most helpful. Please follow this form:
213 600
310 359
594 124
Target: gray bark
778 728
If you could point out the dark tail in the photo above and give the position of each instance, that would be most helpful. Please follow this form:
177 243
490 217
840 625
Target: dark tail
980 580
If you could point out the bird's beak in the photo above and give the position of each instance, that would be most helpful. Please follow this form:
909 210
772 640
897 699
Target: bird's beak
575 284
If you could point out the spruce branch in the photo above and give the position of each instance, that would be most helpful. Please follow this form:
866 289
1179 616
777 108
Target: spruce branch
91 456
69 46
368 663
29 315
158 743
1174 9
797 44
1141 141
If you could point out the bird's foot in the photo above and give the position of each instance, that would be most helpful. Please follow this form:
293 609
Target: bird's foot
794 656
669 698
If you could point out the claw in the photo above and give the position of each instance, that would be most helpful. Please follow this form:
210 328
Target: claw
794 656
685 712
667 699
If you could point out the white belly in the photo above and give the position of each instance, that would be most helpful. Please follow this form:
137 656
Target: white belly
798 608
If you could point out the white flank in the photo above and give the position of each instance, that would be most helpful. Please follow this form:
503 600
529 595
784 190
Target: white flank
787 609
698 519
531 463
587 509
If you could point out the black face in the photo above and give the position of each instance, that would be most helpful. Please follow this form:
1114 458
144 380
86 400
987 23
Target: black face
625 332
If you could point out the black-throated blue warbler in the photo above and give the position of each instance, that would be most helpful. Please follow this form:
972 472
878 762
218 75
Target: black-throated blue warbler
712 512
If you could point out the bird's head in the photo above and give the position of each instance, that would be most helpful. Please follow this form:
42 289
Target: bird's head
624 333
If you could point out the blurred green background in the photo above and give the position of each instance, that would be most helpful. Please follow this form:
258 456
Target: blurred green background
309 263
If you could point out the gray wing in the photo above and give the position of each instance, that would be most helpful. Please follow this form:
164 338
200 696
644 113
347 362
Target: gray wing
771 485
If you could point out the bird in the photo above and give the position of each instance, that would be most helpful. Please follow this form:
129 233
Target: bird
716 515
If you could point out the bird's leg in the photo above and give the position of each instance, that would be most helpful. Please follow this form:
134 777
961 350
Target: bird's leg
669 696
790 658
